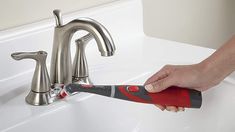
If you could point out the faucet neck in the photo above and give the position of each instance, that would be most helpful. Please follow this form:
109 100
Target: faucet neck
61 66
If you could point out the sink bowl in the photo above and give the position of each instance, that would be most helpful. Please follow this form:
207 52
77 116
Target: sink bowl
88 112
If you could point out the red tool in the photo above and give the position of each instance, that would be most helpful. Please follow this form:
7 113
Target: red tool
173 96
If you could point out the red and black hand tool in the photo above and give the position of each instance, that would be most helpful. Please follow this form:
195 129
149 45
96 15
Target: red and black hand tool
172 96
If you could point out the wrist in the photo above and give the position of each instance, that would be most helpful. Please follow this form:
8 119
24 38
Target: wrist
217 70
205 66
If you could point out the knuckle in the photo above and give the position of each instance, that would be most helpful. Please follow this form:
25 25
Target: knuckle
168 69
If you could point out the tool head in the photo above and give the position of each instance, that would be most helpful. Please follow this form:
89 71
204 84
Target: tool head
62 94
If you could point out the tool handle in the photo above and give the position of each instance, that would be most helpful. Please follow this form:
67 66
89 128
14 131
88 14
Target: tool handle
172 96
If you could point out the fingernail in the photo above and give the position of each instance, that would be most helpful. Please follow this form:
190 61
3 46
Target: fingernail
149 87
173 110
181 109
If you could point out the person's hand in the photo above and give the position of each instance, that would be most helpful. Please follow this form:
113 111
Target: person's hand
198 76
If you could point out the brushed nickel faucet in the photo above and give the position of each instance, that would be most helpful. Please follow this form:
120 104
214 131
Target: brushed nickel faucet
45 90
61 65
40 93
80 66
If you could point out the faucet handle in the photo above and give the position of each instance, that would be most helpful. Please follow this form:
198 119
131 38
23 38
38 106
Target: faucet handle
40 86
58 17
38 56
80 66
85 39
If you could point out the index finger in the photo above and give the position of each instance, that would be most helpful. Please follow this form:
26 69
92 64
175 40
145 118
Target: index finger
157 76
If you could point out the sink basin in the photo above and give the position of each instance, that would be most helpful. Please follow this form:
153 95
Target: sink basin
88 112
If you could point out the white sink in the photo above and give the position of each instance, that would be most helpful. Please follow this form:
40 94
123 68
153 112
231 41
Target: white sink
88 113
137 57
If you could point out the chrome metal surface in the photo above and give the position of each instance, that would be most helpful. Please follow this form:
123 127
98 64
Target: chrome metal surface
80 66
61 66
41 92
58 17
40 86
39 98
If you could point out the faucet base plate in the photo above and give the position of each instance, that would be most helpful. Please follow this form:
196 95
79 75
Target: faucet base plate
39 98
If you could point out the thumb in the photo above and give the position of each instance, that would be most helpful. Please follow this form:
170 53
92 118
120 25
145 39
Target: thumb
160 85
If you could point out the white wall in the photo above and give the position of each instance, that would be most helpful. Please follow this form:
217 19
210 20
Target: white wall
19 12
207 23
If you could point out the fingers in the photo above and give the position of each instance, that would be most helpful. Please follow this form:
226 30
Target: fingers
164 72
160 84
174 108
160 81
160 107
181 109
157 76
170 108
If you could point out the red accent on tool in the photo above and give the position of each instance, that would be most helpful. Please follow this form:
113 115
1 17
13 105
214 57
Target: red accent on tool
86 86
133 88
62 94
122 89
173 96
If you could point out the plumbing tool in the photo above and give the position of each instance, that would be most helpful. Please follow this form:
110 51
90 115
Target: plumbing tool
173 96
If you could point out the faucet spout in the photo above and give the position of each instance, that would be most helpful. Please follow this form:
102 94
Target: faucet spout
61 65
99 32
